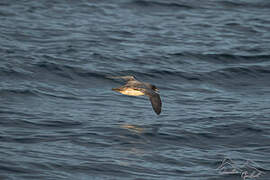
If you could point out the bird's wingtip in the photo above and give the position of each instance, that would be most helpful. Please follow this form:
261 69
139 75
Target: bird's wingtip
156 103
129 77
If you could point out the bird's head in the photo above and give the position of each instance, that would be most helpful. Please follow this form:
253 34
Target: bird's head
153 87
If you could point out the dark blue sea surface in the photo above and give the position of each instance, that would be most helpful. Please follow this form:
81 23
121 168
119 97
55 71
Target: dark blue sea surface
60 119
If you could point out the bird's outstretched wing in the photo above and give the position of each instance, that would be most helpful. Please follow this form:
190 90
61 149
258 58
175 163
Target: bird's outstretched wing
130 80
127 78
156 102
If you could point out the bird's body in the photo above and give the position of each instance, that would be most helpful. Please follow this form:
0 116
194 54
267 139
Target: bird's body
137 88
131 92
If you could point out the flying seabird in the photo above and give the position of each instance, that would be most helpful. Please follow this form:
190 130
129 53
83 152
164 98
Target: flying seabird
137 88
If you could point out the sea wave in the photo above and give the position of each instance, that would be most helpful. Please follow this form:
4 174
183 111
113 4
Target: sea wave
161 4
225 58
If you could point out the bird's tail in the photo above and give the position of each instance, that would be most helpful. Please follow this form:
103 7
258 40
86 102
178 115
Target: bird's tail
116 89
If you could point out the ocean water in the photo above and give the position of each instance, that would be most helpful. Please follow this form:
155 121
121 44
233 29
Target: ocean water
59 118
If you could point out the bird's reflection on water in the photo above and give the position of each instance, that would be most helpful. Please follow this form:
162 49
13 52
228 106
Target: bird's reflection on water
133 128
138 139
152 129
